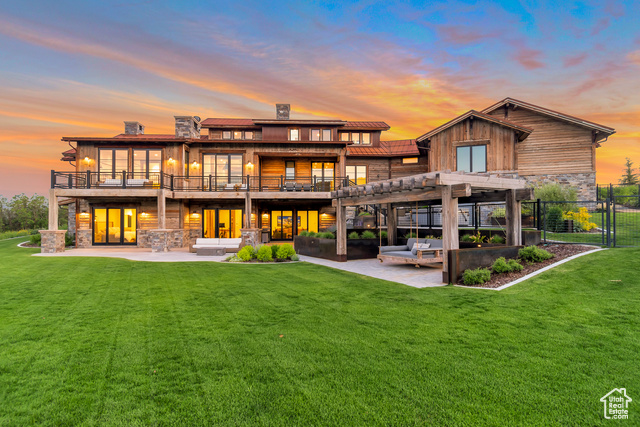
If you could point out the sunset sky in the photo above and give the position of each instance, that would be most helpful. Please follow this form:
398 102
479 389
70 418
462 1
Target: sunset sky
80 68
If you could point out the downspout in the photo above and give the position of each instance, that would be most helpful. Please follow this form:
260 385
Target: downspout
69 142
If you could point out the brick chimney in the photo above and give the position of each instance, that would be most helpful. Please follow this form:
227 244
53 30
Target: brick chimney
133 128
282 111
187 127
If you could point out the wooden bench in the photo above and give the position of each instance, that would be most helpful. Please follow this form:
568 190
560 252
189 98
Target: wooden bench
216 247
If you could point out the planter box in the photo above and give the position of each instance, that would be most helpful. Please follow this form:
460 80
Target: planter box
326 248
462 259
470 245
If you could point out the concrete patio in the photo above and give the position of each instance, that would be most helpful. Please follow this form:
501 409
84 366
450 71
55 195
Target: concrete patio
399 273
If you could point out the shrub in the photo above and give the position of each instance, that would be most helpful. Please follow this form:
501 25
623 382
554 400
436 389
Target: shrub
433 237
368 234
295 257
312 234
12 234
534 254
558 193
498 213
326 235
410 235
554 219
264 254
247 253
500 266
274 250
364 214
496 238
285 251
303 233
514 265
353 235
69 240
233 258
466 238
476 277
383 234
36 239
477 238
581 220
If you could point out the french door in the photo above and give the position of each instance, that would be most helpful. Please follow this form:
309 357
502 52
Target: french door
283 226
222 223
114 226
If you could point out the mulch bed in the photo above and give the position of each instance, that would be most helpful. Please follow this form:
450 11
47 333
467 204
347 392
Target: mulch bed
560 251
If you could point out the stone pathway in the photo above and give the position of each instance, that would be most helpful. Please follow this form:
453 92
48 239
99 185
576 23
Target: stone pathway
400 273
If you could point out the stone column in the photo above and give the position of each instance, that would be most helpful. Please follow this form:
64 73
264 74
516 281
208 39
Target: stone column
52 241
159 240
450 240
513 218
341 231
250 237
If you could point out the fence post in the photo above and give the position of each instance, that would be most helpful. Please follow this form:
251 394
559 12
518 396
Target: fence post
608 223
613 202
538 214
611 191
544 229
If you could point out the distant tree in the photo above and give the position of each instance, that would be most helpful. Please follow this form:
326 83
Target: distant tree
4 213
629 176
24 213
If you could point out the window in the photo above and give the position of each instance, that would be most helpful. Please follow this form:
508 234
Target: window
355 137
366 138
237 134
226 134
289 169
344 136
320 134
223 168
471 158
294 134
186 163
409 160
357 175
248 135
322 174
112 161
222 223
147 164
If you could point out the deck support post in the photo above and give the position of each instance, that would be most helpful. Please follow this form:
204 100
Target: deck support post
513 218
53 210
341 231
162 209
247 210
392 225
450 240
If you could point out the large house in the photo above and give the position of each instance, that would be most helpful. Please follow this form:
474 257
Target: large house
214 177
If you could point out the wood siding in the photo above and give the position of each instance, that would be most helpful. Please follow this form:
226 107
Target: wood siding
554 146
500 143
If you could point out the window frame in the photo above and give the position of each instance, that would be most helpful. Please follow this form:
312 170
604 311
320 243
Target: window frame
227 132
297 130
147 160
286 175
356 174
471 147
113 161
410 160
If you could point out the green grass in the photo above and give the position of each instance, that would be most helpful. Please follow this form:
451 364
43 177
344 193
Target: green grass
96 341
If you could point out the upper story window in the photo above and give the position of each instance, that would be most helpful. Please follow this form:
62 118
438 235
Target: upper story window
289 169
146 163
248 135
471 158
363 138
409 160
320 134
294 134
226 134
237 134
357 174
112 161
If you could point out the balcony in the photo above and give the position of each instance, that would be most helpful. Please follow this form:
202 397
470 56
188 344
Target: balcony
139 181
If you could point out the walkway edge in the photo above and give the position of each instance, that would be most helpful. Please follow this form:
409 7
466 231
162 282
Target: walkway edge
535 273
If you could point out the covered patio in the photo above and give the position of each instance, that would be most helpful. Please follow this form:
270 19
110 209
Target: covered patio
446 188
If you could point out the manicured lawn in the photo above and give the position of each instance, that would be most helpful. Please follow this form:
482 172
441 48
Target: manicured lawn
104 341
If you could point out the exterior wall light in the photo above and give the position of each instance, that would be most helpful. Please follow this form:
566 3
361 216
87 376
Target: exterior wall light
171 161
249 166
195 165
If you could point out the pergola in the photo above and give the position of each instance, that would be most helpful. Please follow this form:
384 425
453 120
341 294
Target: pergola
450 188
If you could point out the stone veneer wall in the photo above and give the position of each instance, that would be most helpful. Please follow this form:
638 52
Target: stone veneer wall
52 241
194 233
71 216
83 238
585 183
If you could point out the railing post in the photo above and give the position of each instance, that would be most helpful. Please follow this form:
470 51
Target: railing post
260 182
315 183
248 182
53 178
171 184
281 181
475 217
70 181
211 182
88 178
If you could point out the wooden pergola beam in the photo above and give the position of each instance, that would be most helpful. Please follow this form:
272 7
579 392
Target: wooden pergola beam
433 193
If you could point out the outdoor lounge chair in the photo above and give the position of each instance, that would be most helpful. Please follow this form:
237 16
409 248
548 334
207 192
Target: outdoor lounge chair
405 255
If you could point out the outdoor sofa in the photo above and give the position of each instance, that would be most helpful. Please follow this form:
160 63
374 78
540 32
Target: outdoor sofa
210 247
407 254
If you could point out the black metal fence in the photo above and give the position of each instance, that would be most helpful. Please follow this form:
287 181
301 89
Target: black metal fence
611 222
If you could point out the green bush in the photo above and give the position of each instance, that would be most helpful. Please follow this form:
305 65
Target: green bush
383 234
500 266
285 251
498 213
554 220
303 233
295 257
69 240
466 238
247 253
558 193
326 235
368 234
312 234
353 235
12 234
264 254
496 238
233 258
476 277
274 250
364 214
410 235
514 265
534 254
36 239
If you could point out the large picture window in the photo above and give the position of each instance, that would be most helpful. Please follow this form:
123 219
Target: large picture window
357 174
223 168
320 134
471 158
112 161
147 164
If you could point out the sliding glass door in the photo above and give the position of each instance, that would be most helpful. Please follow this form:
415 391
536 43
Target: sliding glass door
283 226
222 223
114 226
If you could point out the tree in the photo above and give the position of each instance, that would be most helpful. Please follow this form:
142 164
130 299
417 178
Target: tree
629 176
